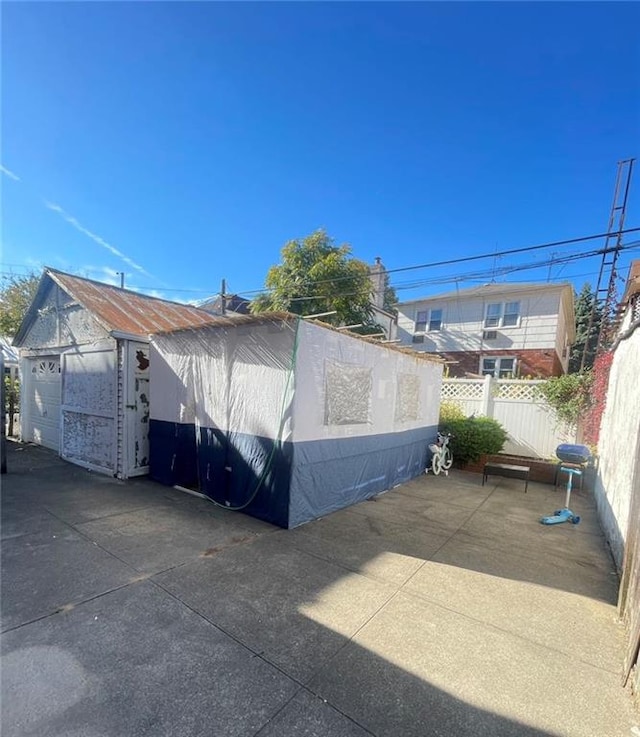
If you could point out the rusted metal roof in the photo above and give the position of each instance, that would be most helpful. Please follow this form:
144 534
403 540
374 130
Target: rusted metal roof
121 310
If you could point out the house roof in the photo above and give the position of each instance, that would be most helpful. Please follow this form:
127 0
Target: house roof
490 290
632 286
8 351
232 303
117 310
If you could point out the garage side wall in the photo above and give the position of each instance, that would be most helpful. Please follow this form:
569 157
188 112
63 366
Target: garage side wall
60 324
363 416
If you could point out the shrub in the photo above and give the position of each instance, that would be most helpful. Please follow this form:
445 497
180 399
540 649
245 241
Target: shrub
450 411
569 395
473 437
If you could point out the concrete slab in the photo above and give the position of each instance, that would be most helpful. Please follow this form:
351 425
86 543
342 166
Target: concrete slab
432 516
368 545
309 716
559 542
293 607
23 519
134 662
155 538
460 488
499 632
83 504
48 570
485 586
418 668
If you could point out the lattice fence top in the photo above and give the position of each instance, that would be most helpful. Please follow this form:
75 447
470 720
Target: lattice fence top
515 389
522 390
453 389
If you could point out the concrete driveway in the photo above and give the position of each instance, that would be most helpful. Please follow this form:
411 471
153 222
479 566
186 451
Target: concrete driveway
441 608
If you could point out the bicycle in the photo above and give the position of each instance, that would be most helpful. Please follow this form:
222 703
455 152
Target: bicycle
442 458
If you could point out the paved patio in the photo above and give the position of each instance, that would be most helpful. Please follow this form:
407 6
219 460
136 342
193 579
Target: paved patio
441 608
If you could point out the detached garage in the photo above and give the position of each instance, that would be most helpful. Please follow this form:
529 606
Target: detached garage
287 419
84 359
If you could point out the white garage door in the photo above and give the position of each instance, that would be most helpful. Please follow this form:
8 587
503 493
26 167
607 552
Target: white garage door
43 401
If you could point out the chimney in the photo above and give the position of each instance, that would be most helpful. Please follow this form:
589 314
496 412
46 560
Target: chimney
377 274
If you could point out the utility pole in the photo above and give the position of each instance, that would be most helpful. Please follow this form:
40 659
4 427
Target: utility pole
605 295
223 297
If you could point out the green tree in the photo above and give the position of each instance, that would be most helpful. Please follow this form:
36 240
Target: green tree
583 305
16 294
390 296
316 276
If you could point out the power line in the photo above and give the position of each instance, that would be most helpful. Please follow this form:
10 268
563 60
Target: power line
434 264
465 259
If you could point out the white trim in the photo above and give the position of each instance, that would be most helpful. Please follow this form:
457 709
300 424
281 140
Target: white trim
498 360
120 335
500 324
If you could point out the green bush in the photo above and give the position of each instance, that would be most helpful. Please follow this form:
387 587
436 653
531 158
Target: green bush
569 395
450 411
474 437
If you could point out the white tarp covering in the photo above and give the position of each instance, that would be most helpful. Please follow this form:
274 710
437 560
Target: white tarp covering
383 390
236 379
298 417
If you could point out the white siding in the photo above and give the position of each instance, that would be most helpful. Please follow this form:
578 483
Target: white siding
619 443
463 323
562 339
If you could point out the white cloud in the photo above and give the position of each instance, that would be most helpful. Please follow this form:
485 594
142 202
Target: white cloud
9 173
96 238
105 274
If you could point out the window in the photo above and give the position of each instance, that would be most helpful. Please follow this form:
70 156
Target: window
435 320
428 320
417 338
492 318
500 368
511 314
421 321
507 368
488 366
505 315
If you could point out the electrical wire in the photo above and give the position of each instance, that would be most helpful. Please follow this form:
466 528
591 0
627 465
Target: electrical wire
449 262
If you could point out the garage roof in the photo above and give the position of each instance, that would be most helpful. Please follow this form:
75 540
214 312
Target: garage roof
117 310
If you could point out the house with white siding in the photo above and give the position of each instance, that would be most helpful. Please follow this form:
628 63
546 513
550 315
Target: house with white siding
506 330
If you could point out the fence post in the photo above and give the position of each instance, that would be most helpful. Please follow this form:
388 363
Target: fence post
486 407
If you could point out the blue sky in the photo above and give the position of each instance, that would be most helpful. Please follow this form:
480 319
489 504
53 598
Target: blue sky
186 142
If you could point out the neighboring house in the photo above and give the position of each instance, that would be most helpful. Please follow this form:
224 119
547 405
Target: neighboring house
10 356
84 356
232 303
506 330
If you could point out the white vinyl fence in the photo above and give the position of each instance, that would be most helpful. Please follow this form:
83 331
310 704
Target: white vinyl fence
533 427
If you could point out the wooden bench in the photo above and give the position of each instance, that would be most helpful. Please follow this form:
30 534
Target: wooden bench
508 471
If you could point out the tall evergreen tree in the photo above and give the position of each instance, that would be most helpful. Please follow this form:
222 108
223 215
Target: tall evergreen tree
583 306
